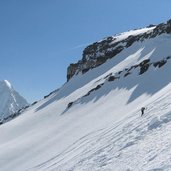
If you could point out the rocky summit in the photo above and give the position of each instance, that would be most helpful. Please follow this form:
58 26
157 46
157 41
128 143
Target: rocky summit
99 52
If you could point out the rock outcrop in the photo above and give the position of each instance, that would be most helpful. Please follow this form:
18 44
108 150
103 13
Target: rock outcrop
99 52
142 67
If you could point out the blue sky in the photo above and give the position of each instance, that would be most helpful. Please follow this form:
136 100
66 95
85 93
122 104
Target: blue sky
40 38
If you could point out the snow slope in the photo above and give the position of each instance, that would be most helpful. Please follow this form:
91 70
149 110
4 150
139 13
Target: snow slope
103 130
10 100
125 35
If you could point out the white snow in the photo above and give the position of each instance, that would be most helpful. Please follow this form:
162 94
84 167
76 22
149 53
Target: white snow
103 131
10 100
133 33
124 35
8 83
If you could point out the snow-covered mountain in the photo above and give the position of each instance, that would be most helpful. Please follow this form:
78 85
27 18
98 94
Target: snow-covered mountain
10 100
99 52
93 122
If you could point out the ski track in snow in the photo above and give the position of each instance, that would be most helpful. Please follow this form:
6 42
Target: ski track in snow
135 143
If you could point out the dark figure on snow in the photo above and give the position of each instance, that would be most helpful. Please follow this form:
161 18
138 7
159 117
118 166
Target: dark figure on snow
142 111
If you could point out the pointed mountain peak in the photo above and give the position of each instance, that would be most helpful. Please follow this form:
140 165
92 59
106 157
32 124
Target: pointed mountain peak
7 83
10 100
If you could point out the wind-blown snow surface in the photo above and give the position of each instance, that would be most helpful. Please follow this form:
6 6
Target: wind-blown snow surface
103 131
10 100
124 35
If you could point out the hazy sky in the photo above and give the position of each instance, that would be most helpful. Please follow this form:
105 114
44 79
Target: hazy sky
40 38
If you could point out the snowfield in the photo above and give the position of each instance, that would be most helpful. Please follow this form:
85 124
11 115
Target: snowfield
101 131
122 36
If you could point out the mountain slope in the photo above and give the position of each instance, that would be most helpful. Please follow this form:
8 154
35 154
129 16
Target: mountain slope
10 100
99 52
93 122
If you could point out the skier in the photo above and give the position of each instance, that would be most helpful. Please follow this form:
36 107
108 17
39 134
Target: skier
142 111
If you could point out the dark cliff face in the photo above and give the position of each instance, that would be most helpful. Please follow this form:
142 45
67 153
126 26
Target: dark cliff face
99 52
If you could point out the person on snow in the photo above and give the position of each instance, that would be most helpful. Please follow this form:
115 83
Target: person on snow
142 111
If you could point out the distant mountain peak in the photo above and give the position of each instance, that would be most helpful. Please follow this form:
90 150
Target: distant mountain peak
6 83
10 100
